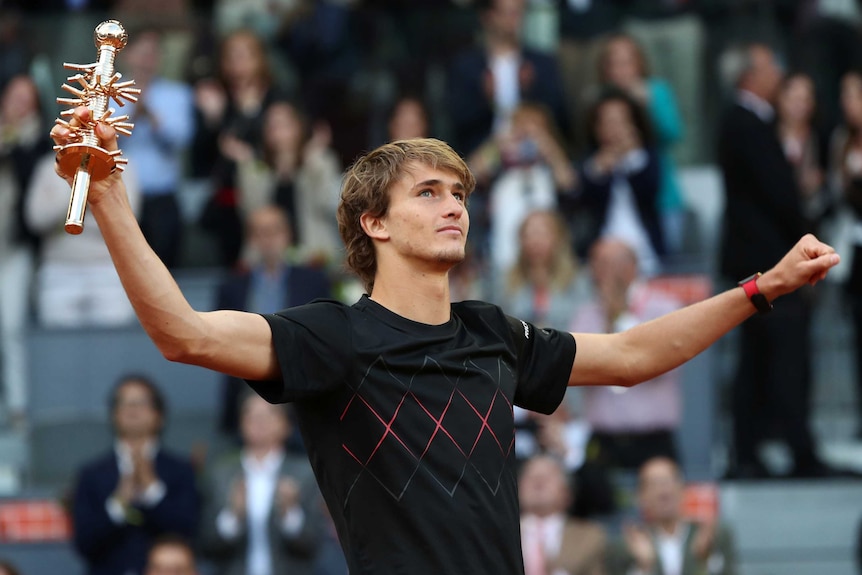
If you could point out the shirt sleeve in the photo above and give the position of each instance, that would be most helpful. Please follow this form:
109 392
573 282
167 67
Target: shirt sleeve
313 346
545 358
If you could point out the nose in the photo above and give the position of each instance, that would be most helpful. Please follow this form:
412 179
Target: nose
454 207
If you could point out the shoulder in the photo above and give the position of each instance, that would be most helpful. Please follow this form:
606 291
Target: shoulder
586 531
99 464
174 460
317 310
659 87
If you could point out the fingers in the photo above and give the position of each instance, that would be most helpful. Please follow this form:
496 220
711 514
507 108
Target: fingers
64 132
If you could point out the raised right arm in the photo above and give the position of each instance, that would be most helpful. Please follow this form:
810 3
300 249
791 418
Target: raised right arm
232 342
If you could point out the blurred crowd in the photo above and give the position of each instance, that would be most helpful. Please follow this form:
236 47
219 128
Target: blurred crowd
574 115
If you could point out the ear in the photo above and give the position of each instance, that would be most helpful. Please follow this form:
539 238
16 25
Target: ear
374 227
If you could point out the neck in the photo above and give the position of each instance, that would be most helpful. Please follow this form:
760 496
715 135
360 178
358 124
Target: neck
259 452
794 129
272 267
539 275
499 45
420 296
136 442
668 526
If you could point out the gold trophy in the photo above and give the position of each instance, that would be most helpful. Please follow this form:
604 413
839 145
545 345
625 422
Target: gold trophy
97 83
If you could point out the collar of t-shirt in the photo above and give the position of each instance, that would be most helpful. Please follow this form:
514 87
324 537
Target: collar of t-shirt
549 529
261 480
400 322
670 549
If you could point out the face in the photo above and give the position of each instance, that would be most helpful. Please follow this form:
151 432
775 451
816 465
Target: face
539 237
796 100
170 560
262 424
408 121
851 98
612 263
660 491
20 99
135 416
282 128
614 124
543 487
427 220
241 58
622 65
765 74
143 55
268 234
505 18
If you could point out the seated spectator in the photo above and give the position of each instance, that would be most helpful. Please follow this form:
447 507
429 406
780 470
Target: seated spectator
171 555
524 168
543 286
623 64
126 498
665 541
552 542
629 425
487 82
262 505
76 283
620 180
268 282
296 170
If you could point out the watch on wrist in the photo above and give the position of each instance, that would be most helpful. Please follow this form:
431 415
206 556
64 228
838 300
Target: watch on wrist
758 300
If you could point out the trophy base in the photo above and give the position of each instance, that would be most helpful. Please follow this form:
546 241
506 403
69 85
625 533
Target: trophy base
102 162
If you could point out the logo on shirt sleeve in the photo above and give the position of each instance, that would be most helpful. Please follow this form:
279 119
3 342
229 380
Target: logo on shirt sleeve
526 329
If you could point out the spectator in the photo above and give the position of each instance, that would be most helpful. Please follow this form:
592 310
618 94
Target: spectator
543 286
22 142
620 180
171 555
408 119
262 505
623 63
800 139
269 283
164 126
554 543
525 168
6 568
488 82
629 425
126 498
230 111
296 170
665 541
76 284
845 174
763 216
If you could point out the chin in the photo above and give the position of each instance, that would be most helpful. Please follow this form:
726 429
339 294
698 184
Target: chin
451 257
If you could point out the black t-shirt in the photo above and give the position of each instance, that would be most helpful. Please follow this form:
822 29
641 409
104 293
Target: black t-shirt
409 428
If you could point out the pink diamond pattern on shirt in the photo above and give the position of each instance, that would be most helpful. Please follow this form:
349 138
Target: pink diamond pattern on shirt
426 422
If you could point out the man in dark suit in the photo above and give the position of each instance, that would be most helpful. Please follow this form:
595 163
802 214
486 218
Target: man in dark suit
262 506
136 492
268 284
488 81
763 217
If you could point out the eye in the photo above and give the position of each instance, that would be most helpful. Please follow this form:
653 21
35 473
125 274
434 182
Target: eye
459 196
426 193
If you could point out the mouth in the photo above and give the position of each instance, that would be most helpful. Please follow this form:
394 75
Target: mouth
451 230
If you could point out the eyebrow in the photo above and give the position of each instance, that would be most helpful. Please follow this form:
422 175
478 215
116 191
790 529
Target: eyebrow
436 182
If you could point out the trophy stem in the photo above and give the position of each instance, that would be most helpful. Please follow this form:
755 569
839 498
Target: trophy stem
78 200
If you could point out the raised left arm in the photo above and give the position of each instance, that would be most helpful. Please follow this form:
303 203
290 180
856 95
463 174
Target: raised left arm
652 348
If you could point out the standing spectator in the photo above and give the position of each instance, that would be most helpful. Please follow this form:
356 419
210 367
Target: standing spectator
763 216
164 126
262 505
845 174
126 498
76 284
296 169
629 425
269 282
554 543
666 542
409 118
524 168
22 142
800 139
623 63
620 180
230 111
486 83
171 555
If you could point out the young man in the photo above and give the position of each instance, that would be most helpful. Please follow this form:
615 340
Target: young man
405 399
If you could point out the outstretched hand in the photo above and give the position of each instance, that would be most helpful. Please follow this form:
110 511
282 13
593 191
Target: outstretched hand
107 140
808 262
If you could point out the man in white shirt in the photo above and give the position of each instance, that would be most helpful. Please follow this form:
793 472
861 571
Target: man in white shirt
262 505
